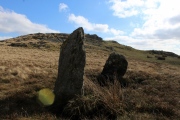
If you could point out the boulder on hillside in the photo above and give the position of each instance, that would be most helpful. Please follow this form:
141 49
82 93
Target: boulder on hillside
161 58
114 69
72 61
148 56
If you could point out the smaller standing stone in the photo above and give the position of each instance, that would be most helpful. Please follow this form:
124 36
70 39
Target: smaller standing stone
115 68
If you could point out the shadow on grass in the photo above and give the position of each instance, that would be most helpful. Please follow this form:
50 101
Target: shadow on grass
20 104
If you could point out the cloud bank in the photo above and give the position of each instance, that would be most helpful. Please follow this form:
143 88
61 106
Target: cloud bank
160 23
12 22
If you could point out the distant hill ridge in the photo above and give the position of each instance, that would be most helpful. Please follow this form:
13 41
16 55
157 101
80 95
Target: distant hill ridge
90 38
53 37
164 53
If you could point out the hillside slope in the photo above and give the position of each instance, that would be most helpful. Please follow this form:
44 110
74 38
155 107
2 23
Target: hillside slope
29 63
53 41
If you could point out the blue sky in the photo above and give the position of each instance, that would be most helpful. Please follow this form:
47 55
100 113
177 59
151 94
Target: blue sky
142 24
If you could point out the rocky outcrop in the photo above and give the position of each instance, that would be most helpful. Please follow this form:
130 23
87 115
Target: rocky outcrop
94 36
53 37
71 68
93 39
114 69
18 45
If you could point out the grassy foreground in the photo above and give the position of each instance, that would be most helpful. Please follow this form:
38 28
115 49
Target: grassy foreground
152 91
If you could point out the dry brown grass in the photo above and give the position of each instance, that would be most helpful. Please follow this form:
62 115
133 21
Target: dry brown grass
152 91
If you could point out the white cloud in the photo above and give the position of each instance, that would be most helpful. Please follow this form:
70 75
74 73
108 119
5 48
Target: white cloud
127 8
4 37
116 32
83 22
160 23
161 18
63 7
11 22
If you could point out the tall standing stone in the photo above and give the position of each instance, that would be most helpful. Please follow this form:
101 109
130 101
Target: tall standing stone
72 61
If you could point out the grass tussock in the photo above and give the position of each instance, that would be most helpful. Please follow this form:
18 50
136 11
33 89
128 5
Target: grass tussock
97 102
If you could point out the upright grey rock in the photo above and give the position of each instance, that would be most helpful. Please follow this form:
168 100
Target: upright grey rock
115 68
71 68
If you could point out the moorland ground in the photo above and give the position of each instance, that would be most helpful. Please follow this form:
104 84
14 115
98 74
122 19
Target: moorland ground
152 90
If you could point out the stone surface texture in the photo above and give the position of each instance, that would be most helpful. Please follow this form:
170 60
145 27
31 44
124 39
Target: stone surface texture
71 68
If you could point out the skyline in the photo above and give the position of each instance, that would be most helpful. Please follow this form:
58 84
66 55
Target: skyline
141 24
